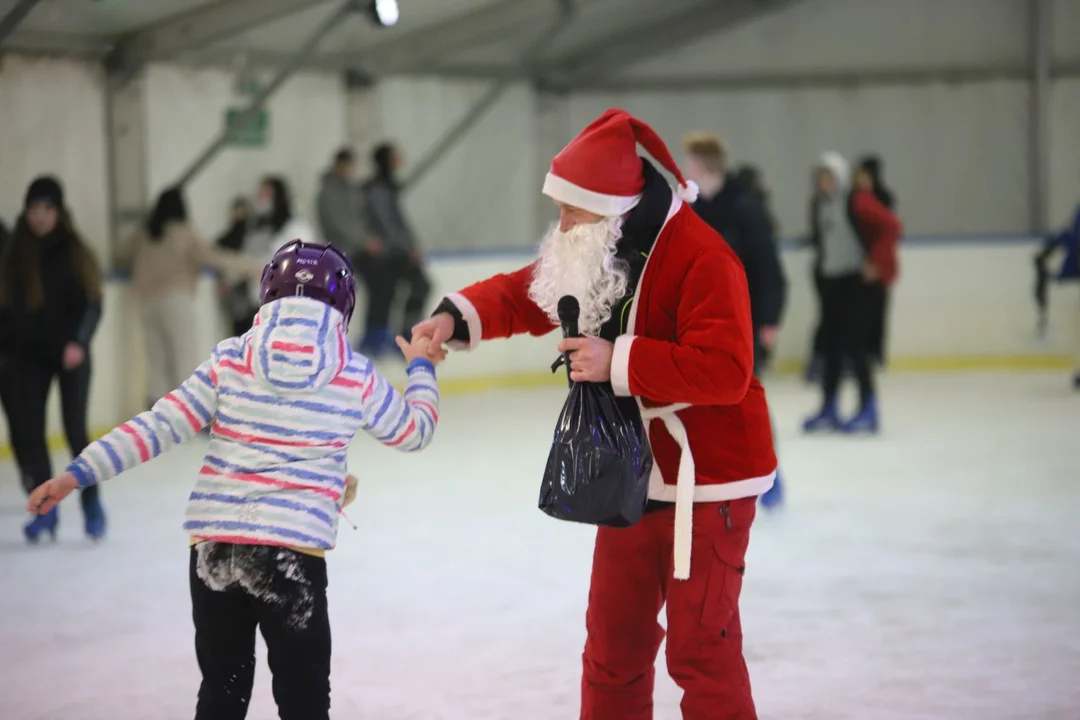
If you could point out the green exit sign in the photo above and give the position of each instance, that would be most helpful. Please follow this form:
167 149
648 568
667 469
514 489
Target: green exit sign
253 133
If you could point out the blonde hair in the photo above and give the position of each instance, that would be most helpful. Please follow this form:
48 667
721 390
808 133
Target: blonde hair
708 149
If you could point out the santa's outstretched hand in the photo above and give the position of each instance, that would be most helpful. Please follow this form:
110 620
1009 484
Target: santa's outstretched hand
438 331
590 358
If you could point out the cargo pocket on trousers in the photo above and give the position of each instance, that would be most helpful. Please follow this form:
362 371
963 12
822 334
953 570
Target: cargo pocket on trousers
724 586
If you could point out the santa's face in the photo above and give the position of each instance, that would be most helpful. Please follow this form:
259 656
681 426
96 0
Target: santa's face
580 261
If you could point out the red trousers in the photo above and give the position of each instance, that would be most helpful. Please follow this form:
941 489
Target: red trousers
632 580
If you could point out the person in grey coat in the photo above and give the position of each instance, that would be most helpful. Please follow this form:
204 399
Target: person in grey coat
402 261
343 224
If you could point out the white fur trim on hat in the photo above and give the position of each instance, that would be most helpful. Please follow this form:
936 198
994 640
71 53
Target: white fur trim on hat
688 193
568 193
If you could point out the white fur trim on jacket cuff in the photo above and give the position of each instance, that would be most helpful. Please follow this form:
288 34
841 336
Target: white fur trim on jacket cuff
568 193
620 365
472 319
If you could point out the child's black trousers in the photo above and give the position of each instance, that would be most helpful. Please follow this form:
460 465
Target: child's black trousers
238 588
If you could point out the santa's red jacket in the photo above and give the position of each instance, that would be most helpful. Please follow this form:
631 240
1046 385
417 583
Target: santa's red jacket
687 355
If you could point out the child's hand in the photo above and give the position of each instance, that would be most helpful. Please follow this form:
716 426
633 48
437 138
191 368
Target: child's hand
351 484
418 348
49 494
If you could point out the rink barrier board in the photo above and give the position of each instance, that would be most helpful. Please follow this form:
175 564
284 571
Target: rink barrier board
1033 360
527 381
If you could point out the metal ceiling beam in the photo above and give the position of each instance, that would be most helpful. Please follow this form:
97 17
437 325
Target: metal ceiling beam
14 17
32 42
819 79
252 60
407 51
654 37
198 28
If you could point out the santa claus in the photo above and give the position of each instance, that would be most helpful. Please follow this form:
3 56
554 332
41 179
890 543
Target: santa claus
666 318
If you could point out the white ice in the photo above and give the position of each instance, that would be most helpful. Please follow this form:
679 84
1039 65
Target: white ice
932 573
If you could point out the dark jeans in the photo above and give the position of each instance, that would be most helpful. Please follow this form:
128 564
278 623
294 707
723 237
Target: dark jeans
370 273
844 314
383 275
876 324
24 393
877 312
238 588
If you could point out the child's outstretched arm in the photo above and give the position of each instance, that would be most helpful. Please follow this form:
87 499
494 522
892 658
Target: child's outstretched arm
403 422
174 419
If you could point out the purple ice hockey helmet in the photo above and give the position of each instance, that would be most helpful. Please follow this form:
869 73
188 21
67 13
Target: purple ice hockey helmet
320 272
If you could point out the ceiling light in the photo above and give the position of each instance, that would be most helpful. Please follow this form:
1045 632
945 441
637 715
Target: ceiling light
385 12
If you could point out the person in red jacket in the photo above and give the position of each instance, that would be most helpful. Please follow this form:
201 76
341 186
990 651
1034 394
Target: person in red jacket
880 230
871 174
665 313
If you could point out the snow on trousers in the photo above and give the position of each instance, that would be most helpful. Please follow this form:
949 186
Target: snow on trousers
631 582
238 589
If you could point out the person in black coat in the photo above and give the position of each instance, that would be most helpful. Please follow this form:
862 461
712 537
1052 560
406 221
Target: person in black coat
740 214
50 306
402 263
236 298
739 211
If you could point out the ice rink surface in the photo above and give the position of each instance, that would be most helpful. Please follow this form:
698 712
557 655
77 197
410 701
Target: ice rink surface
932 573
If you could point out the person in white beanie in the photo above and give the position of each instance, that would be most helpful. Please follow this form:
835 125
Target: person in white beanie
665 312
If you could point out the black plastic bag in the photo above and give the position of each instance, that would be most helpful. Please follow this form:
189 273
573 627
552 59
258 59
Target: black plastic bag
598 468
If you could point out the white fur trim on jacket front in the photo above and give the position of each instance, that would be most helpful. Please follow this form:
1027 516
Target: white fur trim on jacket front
472 319
684 492
568 193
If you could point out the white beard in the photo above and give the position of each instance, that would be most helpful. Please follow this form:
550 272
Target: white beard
581 262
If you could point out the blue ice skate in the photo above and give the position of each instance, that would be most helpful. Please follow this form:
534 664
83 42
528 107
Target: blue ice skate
866 421
94 516
774 496
42 524
826 420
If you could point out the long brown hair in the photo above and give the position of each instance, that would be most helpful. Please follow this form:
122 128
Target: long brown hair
20 266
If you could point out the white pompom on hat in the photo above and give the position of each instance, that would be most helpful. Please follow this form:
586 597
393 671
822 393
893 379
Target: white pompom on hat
600 170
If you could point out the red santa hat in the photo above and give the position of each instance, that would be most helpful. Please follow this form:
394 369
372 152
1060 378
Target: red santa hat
600 170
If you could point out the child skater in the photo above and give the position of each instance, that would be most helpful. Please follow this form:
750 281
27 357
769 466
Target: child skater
283 401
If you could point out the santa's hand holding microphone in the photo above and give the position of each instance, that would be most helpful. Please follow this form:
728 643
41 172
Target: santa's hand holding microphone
665 319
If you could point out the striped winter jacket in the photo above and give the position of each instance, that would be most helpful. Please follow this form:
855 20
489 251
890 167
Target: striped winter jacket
283 401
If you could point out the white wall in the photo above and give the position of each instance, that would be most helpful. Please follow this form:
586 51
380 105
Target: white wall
849 34
185 110
1064 141
54 123
1066 22
954 155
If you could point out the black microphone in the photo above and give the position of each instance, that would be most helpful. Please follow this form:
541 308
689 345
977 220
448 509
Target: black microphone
569 311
